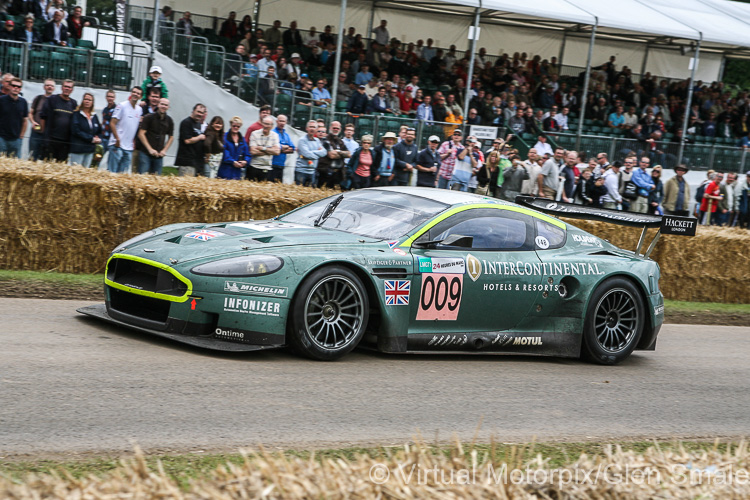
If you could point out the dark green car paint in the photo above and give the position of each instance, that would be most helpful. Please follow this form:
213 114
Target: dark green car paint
515 304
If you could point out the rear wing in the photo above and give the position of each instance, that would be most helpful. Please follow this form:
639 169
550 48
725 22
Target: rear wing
667 224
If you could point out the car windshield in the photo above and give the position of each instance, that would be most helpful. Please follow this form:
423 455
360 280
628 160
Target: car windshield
377 214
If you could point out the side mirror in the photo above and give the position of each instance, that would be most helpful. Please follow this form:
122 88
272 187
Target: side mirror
454 240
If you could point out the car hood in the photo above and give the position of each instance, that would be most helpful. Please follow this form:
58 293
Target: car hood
198 241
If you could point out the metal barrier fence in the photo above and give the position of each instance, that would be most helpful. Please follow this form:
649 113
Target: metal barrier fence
86 66
696 156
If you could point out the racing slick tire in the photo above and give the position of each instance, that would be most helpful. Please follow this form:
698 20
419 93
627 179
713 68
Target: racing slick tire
329 314
614 322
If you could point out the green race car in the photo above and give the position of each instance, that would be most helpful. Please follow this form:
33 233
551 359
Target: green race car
398 269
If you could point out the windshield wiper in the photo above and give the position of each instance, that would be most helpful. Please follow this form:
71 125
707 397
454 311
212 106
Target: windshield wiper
328 211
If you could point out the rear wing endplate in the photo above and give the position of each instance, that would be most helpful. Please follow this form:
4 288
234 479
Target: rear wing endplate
667 224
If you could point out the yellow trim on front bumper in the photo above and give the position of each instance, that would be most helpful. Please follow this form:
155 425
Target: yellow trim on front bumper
146 293
454 211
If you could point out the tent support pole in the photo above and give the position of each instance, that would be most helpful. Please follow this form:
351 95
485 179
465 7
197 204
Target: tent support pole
584 96
470 76
722 67
256 15
562 52
337 65
645 59
370 21
155 37
689 102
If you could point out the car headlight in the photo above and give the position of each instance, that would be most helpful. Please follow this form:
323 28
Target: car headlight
143 236
250 265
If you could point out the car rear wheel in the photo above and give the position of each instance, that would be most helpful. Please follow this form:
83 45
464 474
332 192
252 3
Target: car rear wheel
614 322
329 314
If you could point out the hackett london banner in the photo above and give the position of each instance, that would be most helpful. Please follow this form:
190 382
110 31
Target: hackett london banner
684 226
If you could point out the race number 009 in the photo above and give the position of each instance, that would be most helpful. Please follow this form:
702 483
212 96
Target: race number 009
440 297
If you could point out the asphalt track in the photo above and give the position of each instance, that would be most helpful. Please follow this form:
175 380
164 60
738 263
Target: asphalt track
74 385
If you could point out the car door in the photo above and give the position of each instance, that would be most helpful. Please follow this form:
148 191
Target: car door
487 281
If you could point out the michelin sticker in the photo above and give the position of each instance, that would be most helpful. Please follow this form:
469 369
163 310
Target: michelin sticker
249 306
542 242
253 289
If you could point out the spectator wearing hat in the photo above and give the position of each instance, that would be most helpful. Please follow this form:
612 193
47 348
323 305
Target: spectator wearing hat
358 102
450 151
153 80
384 161
8 33
55 32
677 193
543 147
428 163
250 69
295 65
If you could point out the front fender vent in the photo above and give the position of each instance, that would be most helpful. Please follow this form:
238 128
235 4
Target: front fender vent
390 273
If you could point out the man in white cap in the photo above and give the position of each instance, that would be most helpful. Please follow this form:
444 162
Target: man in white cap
295 65
153 80
428 163
384 161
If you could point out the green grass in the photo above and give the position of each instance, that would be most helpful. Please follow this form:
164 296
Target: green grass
53 277
184 467
687 307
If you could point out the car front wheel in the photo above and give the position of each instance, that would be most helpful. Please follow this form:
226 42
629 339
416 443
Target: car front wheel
614 322
329 314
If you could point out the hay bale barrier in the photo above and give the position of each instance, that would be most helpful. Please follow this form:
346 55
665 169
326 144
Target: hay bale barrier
421 471
68 219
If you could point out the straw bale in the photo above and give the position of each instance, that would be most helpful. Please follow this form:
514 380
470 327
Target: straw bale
68 219
421 471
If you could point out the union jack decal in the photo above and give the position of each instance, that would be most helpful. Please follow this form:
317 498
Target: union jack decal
397 292
203 235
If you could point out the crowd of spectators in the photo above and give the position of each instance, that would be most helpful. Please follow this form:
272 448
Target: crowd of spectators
137 133
525 96
49 22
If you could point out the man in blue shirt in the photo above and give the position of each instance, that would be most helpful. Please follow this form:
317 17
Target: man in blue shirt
320 95
642 179
287 147
616 119
310 150
364 75
265 63
424 110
